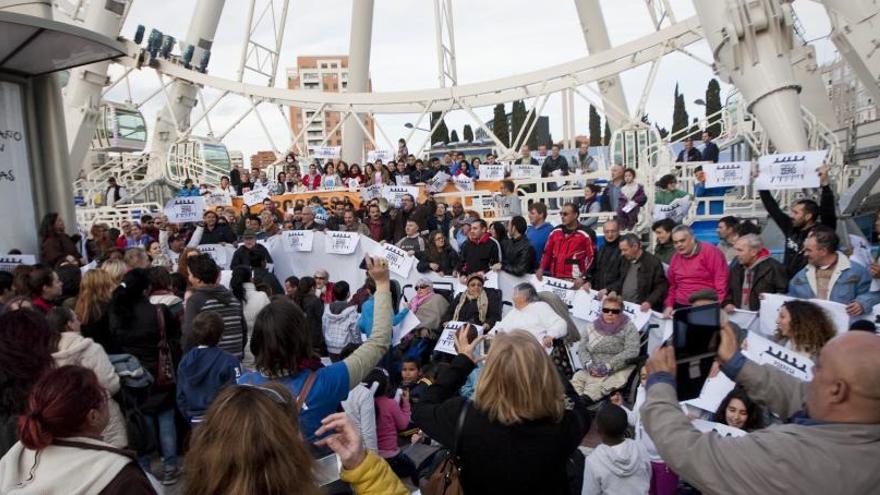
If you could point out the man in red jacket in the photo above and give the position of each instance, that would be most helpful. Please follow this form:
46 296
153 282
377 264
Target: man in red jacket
569 250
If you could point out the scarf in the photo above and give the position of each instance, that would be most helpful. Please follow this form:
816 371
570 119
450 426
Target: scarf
609 329
482 305
419 300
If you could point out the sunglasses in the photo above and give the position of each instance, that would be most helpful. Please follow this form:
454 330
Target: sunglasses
320 278
613 311
422 287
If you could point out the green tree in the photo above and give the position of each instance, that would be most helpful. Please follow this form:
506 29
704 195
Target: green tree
468 133
695 132
453 137
662 131
499 125
441 133
595 127
680 117
713 106
606 139
517 119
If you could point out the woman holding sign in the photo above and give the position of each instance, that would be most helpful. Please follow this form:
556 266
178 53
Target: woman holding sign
634 198
803 327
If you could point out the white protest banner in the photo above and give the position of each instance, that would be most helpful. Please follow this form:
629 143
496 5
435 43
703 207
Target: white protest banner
715 389
399 331
659 331
394 193
463 183
341 242
384 155
16 196
769 311
218 253
8 262
728 174
326 152
297 240
676 210
789 170
562 288
252 198
182 210
399 262
371 192
636 315
219 198
584 306
437 183
764 351
490 281
837 312
492 172
446 342
723 430
745 319
402 180
522 171
539 157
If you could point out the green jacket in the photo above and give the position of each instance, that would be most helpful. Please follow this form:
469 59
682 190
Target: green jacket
667 197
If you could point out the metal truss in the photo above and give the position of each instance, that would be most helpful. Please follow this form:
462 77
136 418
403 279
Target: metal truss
258 54
447 72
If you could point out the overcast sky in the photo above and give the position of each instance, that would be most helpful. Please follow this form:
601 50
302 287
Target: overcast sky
493 39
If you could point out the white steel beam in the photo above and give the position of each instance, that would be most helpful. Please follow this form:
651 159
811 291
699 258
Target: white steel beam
447 70
358 74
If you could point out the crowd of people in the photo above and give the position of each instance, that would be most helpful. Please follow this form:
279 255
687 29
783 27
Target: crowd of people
129 361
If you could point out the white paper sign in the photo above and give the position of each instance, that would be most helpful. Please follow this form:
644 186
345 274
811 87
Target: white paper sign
446 342
789 170
861 251
562 288
723 430
523 171
769 311
399 262
747 320
399 331
297 240
394 193
219 198
325 152
401 180
715 389
463 183
438 182
371 192
728 174
659 331
583 307
182 210
837 312
353 184
491 172
490 281
764 351
252 198
16 196
384 155
8 262
341 242
629 206
676 210
218 253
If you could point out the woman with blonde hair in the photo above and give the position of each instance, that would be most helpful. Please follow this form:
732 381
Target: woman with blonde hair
95 292
264 418
116 268
523 424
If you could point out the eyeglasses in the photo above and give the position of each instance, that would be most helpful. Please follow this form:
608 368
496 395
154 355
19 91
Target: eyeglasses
316 277
614 311
419 287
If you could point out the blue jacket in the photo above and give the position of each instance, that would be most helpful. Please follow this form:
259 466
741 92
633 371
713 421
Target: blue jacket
849 282
365 322
538 237
201 374
470 171
184 192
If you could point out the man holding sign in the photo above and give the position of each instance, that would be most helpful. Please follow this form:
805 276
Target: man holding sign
834 423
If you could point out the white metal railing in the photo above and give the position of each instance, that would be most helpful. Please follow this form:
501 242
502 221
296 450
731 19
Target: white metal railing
113 216
181 168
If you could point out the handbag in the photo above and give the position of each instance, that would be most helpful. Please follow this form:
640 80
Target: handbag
445 478
165 366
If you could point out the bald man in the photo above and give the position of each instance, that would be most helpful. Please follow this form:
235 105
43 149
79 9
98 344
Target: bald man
830 444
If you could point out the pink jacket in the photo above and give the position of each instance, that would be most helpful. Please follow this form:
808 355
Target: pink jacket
707 269
390 418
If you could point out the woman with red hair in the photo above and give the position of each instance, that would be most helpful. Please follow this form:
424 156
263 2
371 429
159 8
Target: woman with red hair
60 448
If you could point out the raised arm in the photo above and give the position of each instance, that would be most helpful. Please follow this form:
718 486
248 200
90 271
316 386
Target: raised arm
367 355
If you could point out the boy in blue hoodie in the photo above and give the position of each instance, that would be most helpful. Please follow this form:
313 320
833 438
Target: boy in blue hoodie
205 369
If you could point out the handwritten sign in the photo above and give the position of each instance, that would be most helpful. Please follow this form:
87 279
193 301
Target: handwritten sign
438 182
371 192
676 210
341 242
789 170
218 253
326 152
463 183
255 197
492 172
399 262
765 351
375 155
8 262
182 210
728 174
659 331
297 240
446 342
562 288
723 430
524 171
219 198
394 193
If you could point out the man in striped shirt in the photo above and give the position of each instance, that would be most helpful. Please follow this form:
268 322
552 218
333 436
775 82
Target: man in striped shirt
208 295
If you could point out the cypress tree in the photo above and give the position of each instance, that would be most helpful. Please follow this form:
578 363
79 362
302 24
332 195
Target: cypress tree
606 139
680 119
499 125
595 127
441 133
453 138
713 106
517 119
468 133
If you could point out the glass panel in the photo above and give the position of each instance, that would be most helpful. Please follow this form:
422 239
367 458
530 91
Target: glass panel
130 125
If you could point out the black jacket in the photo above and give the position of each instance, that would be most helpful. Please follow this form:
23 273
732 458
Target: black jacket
423 175
242 255
710 152
606 269
524 458
221 233
652 283
313 307
519 258
551 165
794 259
770 277
479 257
470 313
448 260
693 155
267 278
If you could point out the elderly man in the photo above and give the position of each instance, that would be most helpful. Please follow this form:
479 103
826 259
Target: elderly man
695 265
242 255
323 286
830 275
585 163
611 198
350 223
828 445
606 270
534 315
308 220
754 272
642 280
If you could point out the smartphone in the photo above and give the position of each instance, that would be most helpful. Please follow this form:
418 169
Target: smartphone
695 330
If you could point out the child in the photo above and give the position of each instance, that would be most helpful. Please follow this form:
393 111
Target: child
618 465
205 369
410 373
390 419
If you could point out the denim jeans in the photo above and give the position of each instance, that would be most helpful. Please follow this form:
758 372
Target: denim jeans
167 438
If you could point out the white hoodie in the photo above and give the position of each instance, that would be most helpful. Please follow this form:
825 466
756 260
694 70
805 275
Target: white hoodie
622 469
